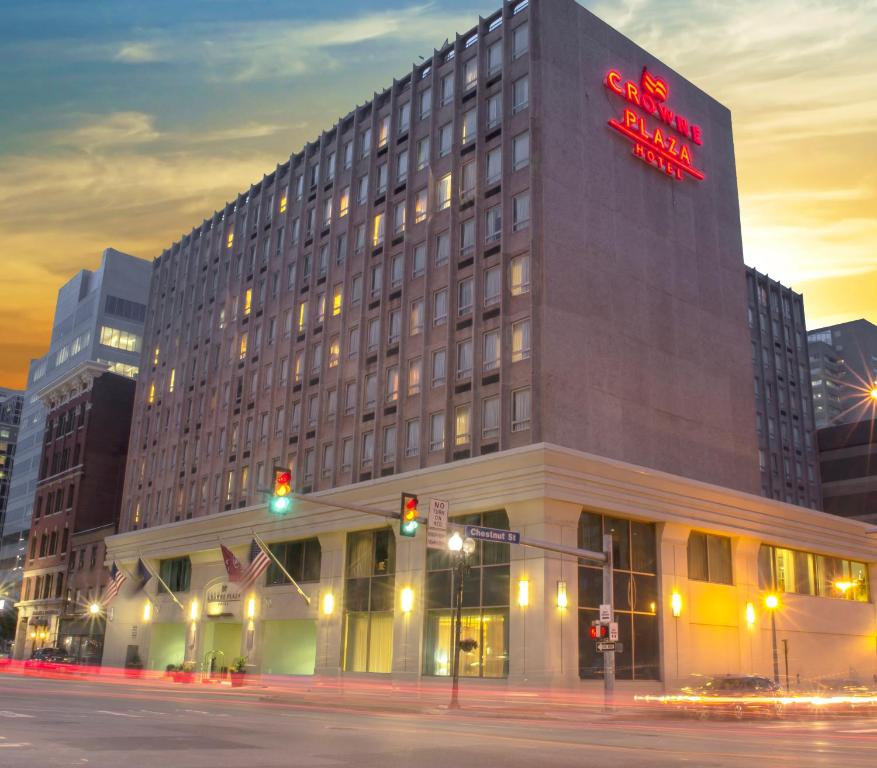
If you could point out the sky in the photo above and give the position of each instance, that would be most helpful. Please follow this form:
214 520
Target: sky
125 123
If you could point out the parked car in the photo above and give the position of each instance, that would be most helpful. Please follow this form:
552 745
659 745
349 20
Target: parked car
736 696
50 660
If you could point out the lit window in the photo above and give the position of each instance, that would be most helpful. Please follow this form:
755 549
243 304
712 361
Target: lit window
337 297
392 392
443 192
383 131
378 229
302 316
173 376
248 301
119 339
155 356
520 340
415 366
344 205
519 274
462 421
283 204
420 203
243 347
230 240
334 352
468 127
416 321
151 397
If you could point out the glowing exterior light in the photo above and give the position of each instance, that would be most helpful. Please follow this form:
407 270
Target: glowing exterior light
750 615
193 610
562 600
408 523
147 611
469 546
676 604
94 609
772 602
843 586
872 393
406 600
2 603
328 604
523 593
455 542
251 608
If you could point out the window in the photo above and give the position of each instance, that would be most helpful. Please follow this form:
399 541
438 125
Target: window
442 248
437 431
374 333
806 573
493 224
446 137
308 472
383 131
382 179
388 455
420 206
470 73
397 270
520 410
439 367
467 237
491 350
362 190
412 437
349 398
327 212
344 204
348 155
404 116
494 58
418 263
368 450
520 94
353 342
402 166
494 110
467 180
709 558
399 219
464 359
119 339
462 421
636 596
440 306
521 151
331 404
443 192
321 308
492 285
366 142
423 153
486 590
425 105
346 454
356 289
520 40
369 598
519 274
490 417
301 559
176 572
465 289
494 165
415 324
337 299
371 386
469 127
415 366
378 229
334 352
521 211
447 88
520 340
395 326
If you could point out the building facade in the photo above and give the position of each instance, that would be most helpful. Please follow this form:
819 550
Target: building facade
99 316
77 504
784 417
489 284
843 370
848 462
10 418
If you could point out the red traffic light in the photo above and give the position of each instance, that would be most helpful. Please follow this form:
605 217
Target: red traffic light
282 482
408 515
598 631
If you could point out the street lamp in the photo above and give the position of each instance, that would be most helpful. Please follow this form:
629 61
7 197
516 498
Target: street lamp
772 602
94 609
462 549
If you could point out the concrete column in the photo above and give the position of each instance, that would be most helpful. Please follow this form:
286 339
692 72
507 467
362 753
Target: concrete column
751 640
672 548
408 627
543 638
330 628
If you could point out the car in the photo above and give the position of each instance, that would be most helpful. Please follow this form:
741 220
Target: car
736 696
50 660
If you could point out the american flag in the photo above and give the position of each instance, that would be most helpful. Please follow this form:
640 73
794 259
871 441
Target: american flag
259 561
117 578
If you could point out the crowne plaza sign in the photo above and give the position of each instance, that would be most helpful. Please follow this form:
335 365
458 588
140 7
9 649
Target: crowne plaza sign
661 137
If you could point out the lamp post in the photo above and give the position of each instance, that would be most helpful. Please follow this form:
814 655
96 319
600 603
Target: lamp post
461 549
772 602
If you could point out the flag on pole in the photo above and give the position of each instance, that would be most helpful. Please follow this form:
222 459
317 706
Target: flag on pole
143 573
259 562
232 564
117 578
268 553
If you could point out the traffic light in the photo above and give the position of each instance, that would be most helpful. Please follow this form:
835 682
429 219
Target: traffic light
408 523
281 500
599 631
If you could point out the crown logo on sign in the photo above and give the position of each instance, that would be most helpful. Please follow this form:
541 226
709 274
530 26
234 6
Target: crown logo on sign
655 86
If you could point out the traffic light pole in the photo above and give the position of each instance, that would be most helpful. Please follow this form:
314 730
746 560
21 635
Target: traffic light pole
608 599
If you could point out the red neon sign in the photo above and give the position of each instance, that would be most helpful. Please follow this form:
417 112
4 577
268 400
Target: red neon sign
655 135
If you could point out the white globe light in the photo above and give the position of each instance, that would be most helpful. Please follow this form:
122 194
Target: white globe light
455 543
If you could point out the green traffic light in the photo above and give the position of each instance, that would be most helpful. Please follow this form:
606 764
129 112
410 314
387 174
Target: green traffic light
409 527
280 504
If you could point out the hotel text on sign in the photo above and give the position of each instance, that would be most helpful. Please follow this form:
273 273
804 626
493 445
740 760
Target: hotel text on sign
661 137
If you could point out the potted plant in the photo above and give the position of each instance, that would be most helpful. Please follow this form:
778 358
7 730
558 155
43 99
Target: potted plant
238 671
134 666
184 673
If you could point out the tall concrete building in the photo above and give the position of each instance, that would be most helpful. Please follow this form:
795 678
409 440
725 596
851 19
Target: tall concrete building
843 368
512 281
99 316
10 417
784 420
848 461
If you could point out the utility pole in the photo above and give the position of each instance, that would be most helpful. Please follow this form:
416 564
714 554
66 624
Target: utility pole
608 599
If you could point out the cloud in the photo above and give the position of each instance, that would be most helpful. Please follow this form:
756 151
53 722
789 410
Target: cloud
113 129
140 53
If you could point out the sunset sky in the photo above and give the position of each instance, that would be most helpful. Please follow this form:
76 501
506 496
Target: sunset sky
126 123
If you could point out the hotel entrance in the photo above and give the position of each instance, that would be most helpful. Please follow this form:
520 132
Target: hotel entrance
220 647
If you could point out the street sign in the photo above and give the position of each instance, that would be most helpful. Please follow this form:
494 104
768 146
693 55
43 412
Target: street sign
605 613
604 647
437 524
496 535
613 631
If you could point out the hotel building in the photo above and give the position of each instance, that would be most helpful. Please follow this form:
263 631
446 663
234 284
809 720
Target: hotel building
512 280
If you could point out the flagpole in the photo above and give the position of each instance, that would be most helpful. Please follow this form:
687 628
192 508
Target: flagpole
267 551
161 581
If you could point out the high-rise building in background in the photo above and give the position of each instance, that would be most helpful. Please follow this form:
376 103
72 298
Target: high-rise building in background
99 316
843 369
10 417
848 461
784 418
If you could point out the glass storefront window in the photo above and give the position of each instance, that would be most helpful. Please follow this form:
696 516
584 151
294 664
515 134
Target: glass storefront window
486 590
804 573
636 597
369 601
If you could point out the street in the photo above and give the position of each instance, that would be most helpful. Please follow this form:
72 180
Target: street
49 723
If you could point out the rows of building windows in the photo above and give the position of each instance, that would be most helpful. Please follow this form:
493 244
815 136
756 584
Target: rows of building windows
119 339
806 573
